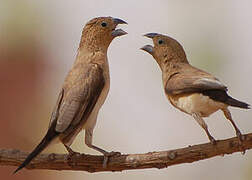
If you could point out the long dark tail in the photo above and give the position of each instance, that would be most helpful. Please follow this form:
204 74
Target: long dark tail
222 96
233 102
50 135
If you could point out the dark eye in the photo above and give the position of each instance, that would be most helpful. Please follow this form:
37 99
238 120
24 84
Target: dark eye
103 24
160 41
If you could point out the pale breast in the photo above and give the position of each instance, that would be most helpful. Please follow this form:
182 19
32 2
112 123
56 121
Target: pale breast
196 103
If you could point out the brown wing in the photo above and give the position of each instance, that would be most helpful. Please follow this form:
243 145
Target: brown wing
55 112
190 79
79 100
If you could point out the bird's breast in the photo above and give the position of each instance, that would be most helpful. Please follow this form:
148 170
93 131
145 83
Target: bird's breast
195 103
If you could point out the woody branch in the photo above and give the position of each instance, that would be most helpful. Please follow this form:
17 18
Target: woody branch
93 163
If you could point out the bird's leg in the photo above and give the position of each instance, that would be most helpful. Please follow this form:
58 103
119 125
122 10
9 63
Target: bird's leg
229 117
202 123
70 151
88 142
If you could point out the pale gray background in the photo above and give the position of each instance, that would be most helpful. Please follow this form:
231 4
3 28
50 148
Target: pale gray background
137 117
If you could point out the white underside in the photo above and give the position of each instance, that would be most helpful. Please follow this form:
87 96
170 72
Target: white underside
196 103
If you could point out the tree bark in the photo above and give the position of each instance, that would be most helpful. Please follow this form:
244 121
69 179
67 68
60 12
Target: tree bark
93 163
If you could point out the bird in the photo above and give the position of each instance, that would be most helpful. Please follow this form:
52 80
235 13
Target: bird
84 90
189 89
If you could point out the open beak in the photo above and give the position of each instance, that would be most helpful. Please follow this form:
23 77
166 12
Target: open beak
118 32
149 48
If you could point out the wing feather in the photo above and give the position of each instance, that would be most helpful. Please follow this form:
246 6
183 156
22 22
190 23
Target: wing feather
79 99
192 80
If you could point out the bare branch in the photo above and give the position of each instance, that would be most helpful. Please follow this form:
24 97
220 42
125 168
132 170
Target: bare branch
159 160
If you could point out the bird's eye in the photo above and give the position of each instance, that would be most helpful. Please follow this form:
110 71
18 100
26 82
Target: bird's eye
160 41
103 24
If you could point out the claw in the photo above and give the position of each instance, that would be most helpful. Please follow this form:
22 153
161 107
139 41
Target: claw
71 155
107 155
241 138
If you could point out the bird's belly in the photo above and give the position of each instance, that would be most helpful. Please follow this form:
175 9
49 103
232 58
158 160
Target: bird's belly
196 103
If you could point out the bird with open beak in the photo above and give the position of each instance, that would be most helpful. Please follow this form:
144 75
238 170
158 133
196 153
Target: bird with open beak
84 90
190 89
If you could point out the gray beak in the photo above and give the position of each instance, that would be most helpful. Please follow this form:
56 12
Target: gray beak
148 48
151 35
118 32
119 21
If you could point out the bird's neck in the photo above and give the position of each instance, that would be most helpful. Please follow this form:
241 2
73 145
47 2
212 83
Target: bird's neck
92 43
86 55
93 47
169 62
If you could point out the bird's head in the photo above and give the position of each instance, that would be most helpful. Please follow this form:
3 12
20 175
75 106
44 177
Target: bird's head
99 32
165 49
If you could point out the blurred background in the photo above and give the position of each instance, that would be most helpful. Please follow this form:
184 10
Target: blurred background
38 44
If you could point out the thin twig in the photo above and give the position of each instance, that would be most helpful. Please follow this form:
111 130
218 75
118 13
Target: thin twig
162 159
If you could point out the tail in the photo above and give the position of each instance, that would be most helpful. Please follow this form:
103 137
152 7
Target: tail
233 102
50 135
222 96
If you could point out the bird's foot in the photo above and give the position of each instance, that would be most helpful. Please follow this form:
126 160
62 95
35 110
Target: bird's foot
72 155
72 158
107 155
241 138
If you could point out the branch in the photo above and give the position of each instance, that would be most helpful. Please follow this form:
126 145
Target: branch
159 160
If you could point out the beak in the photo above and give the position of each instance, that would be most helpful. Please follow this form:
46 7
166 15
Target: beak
151 35
148 48
119 21
118 32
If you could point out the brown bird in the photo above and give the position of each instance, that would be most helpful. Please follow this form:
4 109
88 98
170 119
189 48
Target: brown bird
189 89
84 90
